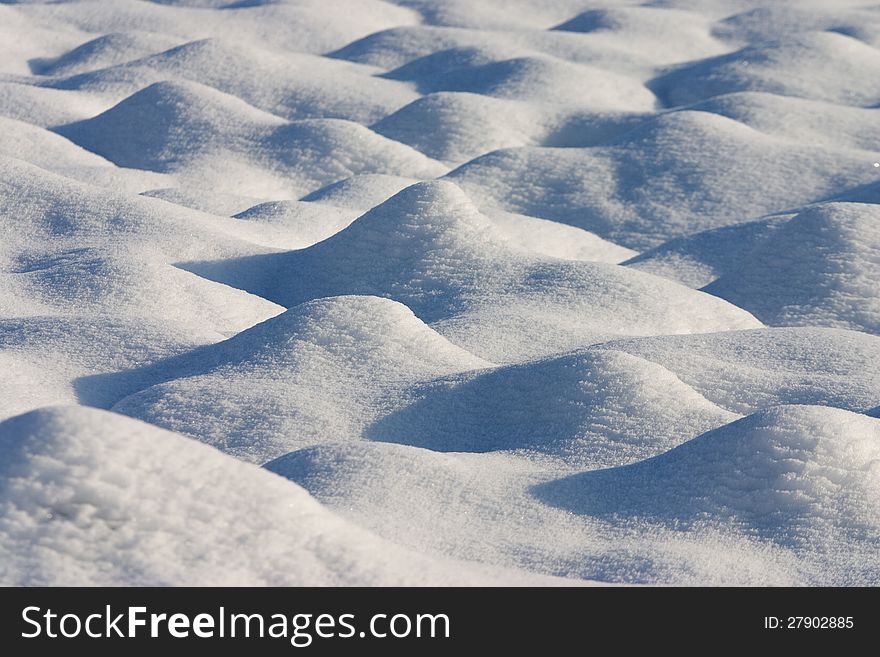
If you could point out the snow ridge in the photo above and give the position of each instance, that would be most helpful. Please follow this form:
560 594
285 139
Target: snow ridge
399 292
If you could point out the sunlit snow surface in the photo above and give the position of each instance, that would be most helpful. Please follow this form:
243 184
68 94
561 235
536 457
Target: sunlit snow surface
495 292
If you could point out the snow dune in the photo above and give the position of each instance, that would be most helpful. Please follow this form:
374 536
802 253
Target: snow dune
506 292
189 129
600 408
93 498
748 370
815 268
669 177
317 372
428 247
798 474
483 508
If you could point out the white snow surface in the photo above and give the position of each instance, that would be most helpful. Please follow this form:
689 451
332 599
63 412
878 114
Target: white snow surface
439 292
94 498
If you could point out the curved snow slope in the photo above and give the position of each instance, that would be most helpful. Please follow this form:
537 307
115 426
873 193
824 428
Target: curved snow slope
667 34
43 148
481 507
51 152
549 238
766 23
91 498
43 209
434 259
51 360
291 85
815 122
820 268
211 202
296 224
302 26
212 139
596 409
800 475
699 258
463 125
494 14
24 38
813 268
429 248
318 372
531 78
75 250
106 50
818 65
46 106
91 281
745 371
670 177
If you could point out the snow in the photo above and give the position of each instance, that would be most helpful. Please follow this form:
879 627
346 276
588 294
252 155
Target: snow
824 65
830 256
606 408
430 248
814 268
92 498
805 476
747 370
506 292
190 129
671 176
317 372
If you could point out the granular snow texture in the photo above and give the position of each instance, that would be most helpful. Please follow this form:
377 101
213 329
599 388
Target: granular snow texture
401 292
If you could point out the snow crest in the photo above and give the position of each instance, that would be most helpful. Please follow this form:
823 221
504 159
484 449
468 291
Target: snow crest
400 292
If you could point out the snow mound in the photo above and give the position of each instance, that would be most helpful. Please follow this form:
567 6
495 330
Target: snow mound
292 85
799 475
211 202
24 38
744 371
819 268
46 106
481 508
818 65
439 261
452 139
494 14
429 248
448 48
140 131
202 134
43 148
92 282
50 360
698 259
360 192
304 25
815 267
42 209
106 50
91 498
536 78
767 23
819 123
669 35
296 224
668 178
548 238
318 372
596 409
